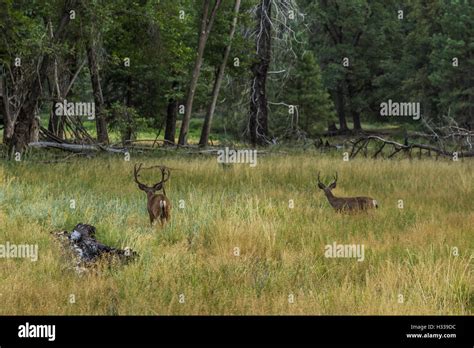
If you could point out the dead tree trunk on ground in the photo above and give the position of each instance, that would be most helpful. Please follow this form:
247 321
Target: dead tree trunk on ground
361 145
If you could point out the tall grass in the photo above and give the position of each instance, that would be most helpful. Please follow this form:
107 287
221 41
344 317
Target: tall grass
190 265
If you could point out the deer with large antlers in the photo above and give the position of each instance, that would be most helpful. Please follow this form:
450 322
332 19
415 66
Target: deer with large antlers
158 205
346 203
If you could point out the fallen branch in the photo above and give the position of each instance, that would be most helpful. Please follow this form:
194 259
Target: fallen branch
76 147
363 142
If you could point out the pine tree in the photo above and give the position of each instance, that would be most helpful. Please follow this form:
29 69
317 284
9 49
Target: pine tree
307 92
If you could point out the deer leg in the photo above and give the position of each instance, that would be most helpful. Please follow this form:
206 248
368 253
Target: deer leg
164 216
152 218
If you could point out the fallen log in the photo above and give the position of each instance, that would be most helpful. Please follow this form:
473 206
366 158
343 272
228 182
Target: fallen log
363 142
86 250
76 147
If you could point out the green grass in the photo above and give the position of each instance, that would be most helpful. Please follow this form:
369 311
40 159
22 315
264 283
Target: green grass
407 251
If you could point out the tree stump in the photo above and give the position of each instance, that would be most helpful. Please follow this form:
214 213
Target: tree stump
86 250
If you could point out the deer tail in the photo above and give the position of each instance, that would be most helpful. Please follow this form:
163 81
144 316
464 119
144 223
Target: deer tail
374 202
162 208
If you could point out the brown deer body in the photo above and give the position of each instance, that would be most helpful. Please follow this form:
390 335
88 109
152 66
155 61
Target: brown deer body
347 204
158 205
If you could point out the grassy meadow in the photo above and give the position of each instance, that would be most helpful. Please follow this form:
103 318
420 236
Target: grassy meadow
190 266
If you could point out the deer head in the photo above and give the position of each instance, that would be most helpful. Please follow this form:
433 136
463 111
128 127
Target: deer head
330 186
346 203
158 205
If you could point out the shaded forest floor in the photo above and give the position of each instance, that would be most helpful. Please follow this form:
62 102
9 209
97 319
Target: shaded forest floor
221 136
190 266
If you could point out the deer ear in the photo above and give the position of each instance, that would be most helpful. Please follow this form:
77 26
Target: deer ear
332 186
321 186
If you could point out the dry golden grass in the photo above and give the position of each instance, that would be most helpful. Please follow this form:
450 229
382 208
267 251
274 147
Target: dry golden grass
407 251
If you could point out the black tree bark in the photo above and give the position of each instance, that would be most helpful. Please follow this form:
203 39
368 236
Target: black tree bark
258 122
355 113
339 101
171 115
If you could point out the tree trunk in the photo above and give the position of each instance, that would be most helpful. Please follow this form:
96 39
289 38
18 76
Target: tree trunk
101 124
354 113
26 126
56 122
206 26
8 123
62 78
171 115
258 123
339 99
128 131
206 128
356 119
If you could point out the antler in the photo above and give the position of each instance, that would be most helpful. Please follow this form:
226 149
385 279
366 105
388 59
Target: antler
136 170
335 179
165 175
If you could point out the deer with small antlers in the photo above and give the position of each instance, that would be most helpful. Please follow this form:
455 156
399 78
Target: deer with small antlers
346 203
158 205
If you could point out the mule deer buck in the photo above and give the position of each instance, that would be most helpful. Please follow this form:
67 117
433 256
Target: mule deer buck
346 203
158 205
